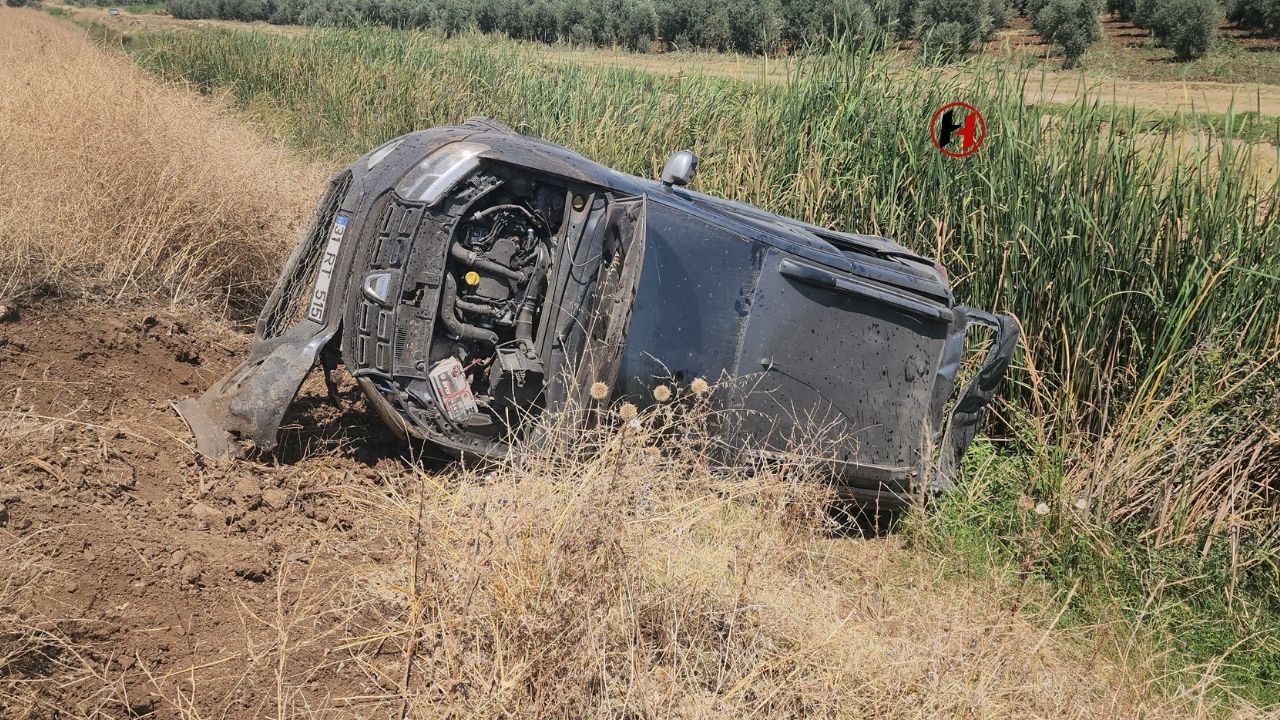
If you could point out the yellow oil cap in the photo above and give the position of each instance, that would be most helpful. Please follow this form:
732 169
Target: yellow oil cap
472 278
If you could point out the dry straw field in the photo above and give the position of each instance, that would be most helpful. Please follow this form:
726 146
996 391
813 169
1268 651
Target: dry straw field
115 187
337 579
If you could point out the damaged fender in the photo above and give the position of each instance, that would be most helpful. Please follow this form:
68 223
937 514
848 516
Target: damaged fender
962 425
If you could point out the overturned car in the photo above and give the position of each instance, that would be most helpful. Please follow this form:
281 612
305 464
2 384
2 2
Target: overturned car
471 278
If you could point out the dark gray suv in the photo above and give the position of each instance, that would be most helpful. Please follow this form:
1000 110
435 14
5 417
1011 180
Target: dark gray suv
472 278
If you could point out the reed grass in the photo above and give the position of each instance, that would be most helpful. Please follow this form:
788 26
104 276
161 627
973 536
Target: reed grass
1119 251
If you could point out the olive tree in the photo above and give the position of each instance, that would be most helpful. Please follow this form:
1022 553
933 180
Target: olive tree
1071 25
1256 14
1186 26
946 29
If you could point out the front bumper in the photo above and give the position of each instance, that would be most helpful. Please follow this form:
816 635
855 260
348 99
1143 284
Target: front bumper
245 408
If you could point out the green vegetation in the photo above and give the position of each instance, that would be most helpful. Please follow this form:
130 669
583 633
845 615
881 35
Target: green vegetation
1227 61
943 30
1069 24
143 8
946 27
1143 413
1260 14
1210 595
1190 27
1186 26
1248 127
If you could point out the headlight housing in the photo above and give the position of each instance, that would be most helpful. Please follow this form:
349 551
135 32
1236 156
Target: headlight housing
440 171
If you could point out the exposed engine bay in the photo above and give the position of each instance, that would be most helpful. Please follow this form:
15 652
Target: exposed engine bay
483 371
470 305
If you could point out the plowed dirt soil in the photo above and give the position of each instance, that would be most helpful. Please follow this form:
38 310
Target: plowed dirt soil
151 557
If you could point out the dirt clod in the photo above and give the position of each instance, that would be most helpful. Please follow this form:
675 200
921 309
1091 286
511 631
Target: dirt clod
248 488
192 573
208 515
275 498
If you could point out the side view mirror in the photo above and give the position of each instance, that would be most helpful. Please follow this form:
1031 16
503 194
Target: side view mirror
680 168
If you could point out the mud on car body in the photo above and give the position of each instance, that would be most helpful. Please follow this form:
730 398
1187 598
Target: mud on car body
471 278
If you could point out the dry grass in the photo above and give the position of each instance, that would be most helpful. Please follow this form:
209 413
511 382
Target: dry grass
617 575
623 576
114 185
1188 473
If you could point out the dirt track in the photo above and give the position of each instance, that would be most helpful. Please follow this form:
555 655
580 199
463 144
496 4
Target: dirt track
1165 97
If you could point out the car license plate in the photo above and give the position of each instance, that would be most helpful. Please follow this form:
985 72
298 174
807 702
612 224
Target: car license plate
320 296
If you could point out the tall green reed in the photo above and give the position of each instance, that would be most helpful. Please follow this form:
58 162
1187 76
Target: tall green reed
1118 250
